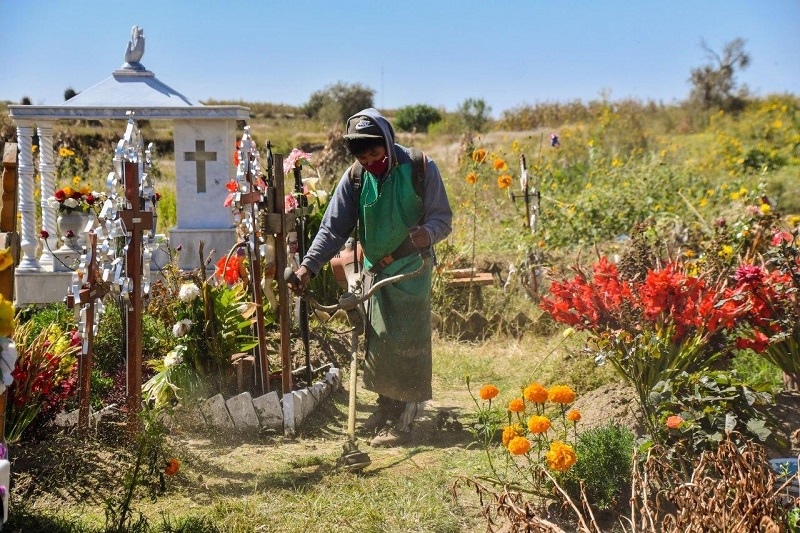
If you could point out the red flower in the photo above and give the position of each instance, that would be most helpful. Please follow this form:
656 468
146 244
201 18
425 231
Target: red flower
757 344
750 274
231 274
90 199
60 195
232 186
780 236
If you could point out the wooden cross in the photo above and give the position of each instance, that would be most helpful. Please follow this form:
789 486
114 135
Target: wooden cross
200 157
88 294
136 220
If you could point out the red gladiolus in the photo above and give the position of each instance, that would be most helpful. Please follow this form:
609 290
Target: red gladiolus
780 236
231 274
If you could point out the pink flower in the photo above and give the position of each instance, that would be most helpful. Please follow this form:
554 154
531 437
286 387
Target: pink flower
229 200
779 236
290 202
296 158
749 274
674 422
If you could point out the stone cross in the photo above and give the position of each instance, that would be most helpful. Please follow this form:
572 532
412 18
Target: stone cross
200 156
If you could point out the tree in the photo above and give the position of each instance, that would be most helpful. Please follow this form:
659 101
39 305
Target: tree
474 114
336 103
714 84
69 92
416 117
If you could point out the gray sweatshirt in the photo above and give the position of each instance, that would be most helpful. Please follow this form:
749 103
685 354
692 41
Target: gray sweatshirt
342 213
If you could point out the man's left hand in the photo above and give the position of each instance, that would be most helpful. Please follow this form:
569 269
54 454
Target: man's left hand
419 236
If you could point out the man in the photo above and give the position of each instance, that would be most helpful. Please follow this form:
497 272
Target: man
394 218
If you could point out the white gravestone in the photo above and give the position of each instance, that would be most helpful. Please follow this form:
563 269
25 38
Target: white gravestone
203 165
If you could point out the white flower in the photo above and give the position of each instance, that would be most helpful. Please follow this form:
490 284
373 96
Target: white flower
322 195
72 203
52 202
188 292
181 327
174 357
8 359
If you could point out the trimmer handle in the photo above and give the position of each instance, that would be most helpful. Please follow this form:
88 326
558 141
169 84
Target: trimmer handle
290 277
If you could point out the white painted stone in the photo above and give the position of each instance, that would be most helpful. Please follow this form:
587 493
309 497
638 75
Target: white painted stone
242 412
306 404
334 377
216 413
268 409
67 419
319 392
292 412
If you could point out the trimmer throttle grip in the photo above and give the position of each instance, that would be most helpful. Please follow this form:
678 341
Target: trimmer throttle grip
290 277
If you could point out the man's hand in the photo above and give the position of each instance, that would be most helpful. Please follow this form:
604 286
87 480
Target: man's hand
419 236
298 285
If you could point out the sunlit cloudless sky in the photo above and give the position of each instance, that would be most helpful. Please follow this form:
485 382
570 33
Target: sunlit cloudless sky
507 52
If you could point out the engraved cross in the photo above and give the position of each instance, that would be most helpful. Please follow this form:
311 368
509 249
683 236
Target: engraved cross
200 157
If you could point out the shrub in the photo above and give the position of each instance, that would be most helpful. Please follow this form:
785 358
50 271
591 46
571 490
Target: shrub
416 118
604 465
337 102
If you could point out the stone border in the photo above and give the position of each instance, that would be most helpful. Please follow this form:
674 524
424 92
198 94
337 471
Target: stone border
243 413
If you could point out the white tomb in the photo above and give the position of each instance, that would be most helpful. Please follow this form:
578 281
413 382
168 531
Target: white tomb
204 145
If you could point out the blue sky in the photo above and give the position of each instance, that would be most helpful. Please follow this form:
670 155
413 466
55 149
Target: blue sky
439 53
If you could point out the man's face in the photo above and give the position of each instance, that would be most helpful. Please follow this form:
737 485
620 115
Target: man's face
372 156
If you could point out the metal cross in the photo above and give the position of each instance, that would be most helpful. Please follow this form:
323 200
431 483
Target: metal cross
200 157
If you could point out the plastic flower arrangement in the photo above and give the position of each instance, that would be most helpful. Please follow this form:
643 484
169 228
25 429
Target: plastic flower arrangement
534 429
69 200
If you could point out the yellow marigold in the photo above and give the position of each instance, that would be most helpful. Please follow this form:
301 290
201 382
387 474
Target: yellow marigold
472 178
538 424
516 405
479 155
68 191
560 456
6 317
574 415
488 392
509 432
519 446
535 393
499 165
65 152
6 258
504 181
561 394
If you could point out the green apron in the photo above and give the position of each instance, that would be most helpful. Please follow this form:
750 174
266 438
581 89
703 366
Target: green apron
398 363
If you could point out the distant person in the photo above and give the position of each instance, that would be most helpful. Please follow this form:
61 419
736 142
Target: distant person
554 140
394 217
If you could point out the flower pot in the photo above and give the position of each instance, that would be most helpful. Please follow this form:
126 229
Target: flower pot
74 221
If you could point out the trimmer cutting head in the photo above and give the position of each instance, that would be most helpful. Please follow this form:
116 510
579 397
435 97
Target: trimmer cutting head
352 459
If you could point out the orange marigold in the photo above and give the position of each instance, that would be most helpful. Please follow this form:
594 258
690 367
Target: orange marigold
516 405
509 432
560 456
499 164
674 422
488 392
561 394
472 178
535 393
574 415
538 424
519 446
504 181
479 155
172 467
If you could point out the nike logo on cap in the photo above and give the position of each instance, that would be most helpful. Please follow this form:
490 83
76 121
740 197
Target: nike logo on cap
363 123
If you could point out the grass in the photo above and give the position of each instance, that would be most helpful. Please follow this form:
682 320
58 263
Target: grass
272 483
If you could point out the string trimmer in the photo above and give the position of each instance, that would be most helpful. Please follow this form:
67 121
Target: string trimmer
352 459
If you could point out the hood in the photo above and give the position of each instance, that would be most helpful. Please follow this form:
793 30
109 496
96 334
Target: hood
386 130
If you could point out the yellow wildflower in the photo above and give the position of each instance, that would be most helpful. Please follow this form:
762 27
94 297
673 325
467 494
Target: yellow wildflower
794 220
710 192
76 180
765 209
734 196
65 152
515 146
6 258
6 317
472 178
726 251
615 162
688 253
703 202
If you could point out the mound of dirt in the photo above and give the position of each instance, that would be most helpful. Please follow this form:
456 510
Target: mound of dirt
613 401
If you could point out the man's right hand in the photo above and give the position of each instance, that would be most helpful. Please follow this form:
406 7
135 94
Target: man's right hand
298 286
